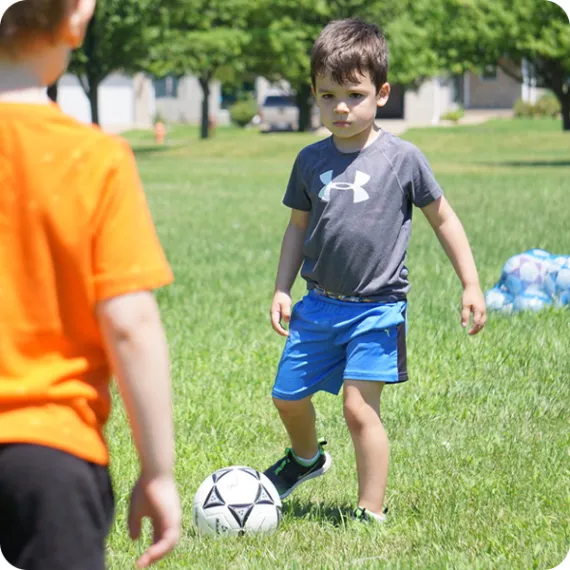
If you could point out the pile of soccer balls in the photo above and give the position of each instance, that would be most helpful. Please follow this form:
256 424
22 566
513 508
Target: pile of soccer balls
235 501
531 280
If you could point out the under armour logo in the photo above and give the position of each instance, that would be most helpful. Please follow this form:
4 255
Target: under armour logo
564 4
4 5
360 179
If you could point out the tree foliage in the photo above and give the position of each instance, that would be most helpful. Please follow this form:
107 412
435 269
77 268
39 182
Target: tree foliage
288 30
481 32
205 38
119 38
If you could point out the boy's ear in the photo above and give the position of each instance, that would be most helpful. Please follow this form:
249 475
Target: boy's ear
75 25
383 95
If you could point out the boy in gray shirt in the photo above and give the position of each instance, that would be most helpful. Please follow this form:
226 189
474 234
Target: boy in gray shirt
351 198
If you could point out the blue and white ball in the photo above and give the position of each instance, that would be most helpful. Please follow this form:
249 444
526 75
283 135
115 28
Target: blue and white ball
557 282
523 271
497 299
531 281
532 300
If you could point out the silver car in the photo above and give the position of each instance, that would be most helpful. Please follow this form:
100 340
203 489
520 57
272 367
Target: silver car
279 113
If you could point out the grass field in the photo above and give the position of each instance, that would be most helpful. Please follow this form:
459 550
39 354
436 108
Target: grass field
480 439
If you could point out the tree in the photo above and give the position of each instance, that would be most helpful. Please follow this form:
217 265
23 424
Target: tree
506 33
119 38
52 92
288 30
205 38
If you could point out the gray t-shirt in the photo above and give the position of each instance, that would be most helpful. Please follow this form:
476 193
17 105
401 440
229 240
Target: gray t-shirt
361 213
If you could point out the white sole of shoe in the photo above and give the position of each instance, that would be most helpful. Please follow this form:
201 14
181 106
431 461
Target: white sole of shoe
326 466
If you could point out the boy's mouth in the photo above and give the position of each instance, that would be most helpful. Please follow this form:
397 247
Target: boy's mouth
341 123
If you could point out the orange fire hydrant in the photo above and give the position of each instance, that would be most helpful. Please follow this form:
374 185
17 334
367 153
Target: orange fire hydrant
159 132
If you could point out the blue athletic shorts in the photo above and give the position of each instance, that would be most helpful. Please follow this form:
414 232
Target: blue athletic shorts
332 340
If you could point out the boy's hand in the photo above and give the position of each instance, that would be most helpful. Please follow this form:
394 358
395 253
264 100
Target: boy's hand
158 500
280 311
473 302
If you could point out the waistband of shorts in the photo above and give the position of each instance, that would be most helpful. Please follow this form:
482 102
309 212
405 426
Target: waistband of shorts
338 297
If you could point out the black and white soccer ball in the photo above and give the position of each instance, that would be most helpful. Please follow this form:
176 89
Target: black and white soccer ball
236 500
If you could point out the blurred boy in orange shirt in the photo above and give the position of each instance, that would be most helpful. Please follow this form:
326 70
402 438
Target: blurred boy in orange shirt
78 258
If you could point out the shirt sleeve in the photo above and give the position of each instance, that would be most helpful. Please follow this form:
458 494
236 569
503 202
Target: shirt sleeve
126 253
424 188
296 195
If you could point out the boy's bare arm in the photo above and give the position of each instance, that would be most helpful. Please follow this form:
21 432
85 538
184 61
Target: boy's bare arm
289 264
138 352
136 345
453 239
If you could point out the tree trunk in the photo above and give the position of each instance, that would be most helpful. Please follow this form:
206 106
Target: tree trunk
205 120
52 92
93 96
304 100
565 102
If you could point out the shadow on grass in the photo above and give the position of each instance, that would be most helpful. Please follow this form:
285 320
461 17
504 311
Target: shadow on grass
335 515
150 150
530 163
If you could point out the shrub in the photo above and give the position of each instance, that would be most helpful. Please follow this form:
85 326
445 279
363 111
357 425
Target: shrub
547 106
454 116
242 112
522 109
158 118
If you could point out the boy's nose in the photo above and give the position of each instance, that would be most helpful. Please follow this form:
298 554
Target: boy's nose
341 108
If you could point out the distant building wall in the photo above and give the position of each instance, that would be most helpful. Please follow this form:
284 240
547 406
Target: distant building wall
430 101
183 104
116 101
492 90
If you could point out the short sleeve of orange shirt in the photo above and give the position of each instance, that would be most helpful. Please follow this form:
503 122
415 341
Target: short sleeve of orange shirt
75 229
126 253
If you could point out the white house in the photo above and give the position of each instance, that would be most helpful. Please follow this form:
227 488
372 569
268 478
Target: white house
127 102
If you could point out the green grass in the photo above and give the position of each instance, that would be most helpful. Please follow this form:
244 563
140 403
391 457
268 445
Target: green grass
480 472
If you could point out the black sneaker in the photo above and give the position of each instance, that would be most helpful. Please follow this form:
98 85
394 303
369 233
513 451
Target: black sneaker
287 474
362 515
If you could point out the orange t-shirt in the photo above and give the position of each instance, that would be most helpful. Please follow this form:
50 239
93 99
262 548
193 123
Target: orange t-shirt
74 229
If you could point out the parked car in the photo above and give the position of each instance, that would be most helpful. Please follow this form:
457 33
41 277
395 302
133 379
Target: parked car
279 113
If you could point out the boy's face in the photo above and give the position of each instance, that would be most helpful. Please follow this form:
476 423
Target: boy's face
349 109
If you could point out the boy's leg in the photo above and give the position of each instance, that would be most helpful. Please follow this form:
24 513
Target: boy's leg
298 417
362 415
311 362
306 458
56 509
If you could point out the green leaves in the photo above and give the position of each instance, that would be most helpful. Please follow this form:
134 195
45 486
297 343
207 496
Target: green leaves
118 38
480 32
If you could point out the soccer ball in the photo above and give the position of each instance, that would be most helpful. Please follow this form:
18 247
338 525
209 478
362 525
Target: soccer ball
235 501
532 300
557 282
499 300
524 271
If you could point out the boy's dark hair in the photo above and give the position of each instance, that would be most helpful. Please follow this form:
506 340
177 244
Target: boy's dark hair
29 18
346 48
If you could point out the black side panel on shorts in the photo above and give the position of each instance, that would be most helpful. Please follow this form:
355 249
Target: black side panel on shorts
402 353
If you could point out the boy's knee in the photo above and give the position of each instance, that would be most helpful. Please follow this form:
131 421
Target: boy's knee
358 414
291 407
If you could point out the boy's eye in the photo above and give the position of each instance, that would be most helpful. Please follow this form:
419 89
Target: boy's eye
356 95
327 96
